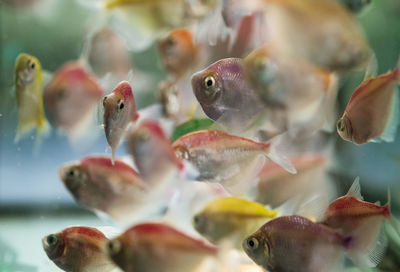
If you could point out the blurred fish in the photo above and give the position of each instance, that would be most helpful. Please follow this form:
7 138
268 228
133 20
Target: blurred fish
355 5
115 189
372 113
294 243
29 89
276 186
221 157
150 247
78 249
71 98
293 85
119 112
231 218
142 22
363 221
323 32
152 153
170 101
225 95
117 60
178 52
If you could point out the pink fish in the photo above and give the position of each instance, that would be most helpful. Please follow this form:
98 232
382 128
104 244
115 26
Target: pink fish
363 221
119 112
95 182
150 247
71 97
294 243
152 152
78 249
372 113
219 156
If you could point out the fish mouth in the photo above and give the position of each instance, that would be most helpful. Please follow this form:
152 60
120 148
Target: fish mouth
25 77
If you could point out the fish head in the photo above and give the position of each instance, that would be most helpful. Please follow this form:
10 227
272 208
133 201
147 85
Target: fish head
54 245
257 248
26 70
74 177
119 111
207 87
200 223
116 251
344 128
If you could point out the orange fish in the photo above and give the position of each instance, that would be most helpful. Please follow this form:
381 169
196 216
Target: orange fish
178 52
119 112
151 247
372 113
363 221
78 249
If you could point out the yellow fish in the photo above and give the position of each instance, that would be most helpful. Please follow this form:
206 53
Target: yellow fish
29 89
231 218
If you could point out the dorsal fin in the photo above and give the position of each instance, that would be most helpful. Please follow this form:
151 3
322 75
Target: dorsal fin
355 189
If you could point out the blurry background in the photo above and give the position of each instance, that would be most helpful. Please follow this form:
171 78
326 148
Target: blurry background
33 202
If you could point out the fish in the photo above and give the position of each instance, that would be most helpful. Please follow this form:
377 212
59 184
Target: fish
372 113
178 52
96 183
71 98
295 243
190 126
362 220
231 218
225 94
78 249
276 186
29 91
153 153
306 93
222 157
150 247
117 60
119 112
323 32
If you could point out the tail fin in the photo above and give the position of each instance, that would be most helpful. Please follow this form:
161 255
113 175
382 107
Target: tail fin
276 156
391 220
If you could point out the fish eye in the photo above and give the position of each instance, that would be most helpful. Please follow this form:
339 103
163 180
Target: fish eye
51 240
196 220
261 64
72 172
181 152
209 82
170 41
114 246
31 64
252 243
340 125
121 104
